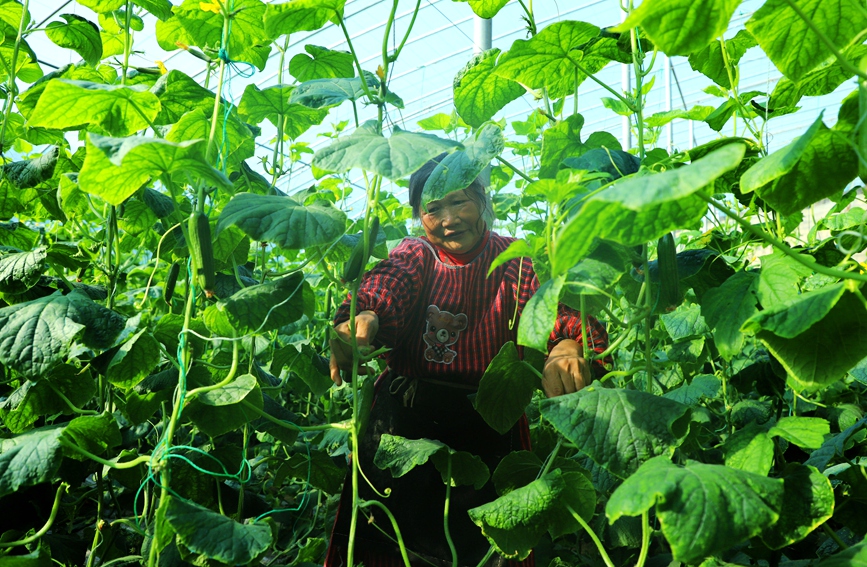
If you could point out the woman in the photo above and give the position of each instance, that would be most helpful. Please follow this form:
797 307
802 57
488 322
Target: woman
444 319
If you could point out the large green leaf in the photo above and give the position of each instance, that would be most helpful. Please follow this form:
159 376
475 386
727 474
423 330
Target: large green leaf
802 332
563 141
102 6
855 556
37 335
233 145
514 523
808 503
711 63
318 468
750 449
540 314
21 270
283 220
162 9
135 359
703 386
301 15
40 557
261 308
119 110
780 162
93 433
231 393
216 420
618 429
394 157
727 307
703 509
272 103
780 279
205 29
517 469
178 95
29 459
684 322
548 58
680 27
400 455
485 8
321 63
115 168
29 173
34 399
826 167
322 93
460 168
790 43
27 68
805 432
820 81
505 389
215 536
641 209
78 34
479 93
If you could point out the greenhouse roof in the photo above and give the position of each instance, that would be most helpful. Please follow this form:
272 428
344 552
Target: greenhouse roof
439 46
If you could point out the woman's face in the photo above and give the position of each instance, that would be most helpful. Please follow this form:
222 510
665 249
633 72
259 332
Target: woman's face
454 223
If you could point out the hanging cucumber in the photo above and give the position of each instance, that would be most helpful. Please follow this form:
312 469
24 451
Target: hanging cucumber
669 280
171 282
202 252
353 267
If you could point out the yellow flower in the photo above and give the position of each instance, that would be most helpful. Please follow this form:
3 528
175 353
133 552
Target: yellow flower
162 67
211 6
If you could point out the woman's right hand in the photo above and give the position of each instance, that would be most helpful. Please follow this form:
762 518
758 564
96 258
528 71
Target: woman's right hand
366 327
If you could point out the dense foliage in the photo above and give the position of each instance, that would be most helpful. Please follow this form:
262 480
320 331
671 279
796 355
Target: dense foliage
165 309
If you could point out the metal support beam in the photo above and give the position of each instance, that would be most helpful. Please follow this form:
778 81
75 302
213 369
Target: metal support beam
481 34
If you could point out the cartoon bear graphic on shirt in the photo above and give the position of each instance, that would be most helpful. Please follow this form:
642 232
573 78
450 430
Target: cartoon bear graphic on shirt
443 330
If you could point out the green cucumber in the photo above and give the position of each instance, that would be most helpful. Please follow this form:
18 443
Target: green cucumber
669 280
202 252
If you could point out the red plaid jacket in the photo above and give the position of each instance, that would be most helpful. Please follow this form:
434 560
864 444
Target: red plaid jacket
448 320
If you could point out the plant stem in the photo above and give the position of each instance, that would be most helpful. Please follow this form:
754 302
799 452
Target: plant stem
200 205
378 504
827 41
586 347
486 557
781 246
520 173
13 71
645 538
592 535
192 394
361 76
289 425
833 535
127 41
397 51
604 85
111 464
446 513
97 530
61 490
549 462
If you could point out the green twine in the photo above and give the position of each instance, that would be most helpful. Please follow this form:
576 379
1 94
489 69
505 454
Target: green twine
245 70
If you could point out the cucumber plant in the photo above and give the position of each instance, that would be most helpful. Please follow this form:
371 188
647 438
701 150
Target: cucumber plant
166 309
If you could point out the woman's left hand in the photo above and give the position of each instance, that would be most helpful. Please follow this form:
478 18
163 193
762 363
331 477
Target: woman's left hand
566 371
